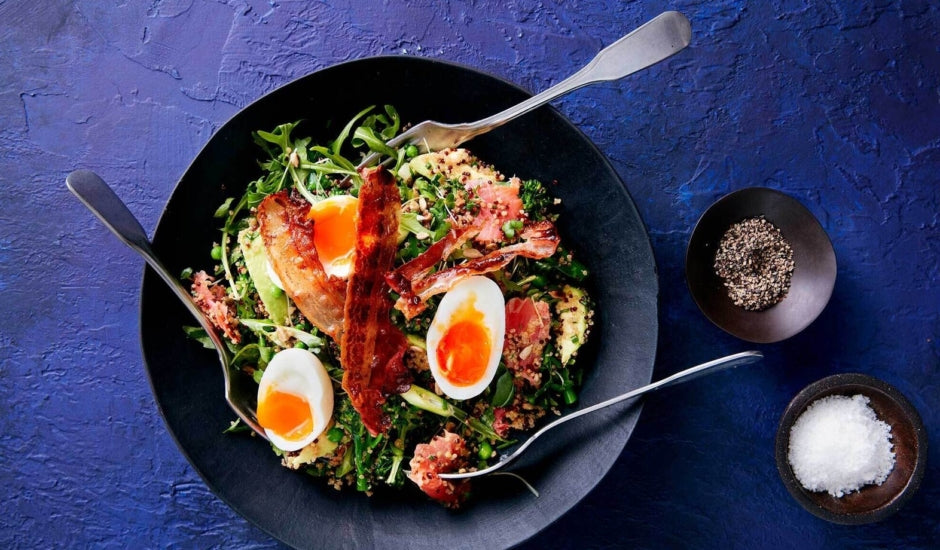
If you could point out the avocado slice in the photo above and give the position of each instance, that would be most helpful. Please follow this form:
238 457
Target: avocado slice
256 259
575 315
320 447
423 165
452 164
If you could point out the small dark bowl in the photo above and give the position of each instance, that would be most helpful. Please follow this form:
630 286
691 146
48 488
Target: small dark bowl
814 272
871 503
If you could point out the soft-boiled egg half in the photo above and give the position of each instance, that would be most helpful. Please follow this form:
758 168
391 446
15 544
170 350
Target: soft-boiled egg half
334 233
295 399
465 339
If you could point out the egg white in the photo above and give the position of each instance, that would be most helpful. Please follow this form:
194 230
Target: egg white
299 372
489 301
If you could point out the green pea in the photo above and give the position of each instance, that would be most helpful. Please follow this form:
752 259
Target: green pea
216 253
486 451
510 228
411 151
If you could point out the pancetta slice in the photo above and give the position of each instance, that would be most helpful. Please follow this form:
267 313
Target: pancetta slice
539 240
443 454
528 328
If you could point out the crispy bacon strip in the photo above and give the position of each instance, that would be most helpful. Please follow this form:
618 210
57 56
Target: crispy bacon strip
288 240
540 240
372 348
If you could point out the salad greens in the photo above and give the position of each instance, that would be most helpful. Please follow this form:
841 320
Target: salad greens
267 321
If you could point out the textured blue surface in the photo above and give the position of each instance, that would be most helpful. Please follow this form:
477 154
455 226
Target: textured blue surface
836 104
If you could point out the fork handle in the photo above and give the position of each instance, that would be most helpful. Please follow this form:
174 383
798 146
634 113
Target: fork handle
658 39
738 359
98 197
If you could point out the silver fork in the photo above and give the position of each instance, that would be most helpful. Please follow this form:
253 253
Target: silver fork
240 390
743 358
658 39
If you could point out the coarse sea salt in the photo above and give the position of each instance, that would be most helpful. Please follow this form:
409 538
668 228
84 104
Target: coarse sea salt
839 445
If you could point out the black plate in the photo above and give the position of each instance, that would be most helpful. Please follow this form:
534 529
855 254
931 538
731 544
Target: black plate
599 219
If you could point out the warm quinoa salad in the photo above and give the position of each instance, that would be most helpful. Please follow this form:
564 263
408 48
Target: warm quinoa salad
402 321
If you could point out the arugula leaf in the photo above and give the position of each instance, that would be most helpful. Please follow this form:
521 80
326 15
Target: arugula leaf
222 210
505 390
386 125
248 354
199 334
338 142
335 158
280 136
329 167
236 426
408 223
372 141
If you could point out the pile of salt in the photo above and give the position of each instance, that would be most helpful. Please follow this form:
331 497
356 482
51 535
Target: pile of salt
838 445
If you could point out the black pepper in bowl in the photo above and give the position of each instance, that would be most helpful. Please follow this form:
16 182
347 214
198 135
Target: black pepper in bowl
755 264
809 280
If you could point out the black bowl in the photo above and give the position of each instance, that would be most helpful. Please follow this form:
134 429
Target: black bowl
873 502
599 219
814 272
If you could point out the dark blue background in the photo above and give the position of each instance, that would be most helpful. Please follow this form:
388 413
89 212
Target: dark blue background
836 104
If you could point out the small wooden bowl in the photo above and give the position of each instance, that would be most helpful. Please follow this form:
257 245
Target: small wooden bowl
871 503
814 272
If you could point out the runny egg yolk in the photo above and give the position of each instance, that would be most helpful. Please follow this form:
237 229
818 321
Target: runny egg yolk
286 414
334 232
464 349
